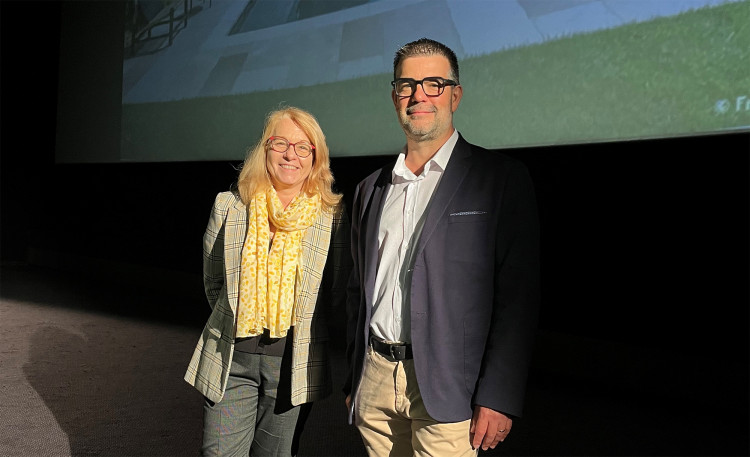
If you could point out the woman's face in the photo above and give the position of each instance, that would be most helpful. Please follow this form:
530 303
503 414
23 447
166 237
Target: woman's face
288 171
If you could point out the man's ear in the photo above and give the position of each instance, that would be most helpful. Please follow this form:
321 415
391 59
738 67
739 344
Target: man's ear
456 95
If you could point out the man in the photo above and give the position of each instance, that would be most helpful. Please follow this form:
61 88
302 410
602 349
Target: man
443 298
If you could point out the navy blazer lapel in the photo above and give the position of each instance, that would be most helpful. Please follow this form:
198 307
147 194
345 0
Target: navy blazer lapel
455 172
374 204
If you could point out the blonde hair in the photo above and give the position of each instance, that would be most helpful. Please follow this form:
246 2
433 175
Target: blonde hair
254 175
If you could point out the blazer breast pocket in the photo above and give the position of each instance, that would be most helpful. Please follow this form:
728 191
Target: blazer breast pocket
468 216
469 237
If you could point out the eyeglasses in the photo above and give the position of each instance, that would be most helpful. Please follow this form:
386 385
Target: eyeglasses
432 86
280 144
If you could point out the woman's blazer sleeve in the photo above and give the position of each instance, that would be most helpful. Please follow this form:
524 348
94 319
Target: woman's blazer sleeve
213 249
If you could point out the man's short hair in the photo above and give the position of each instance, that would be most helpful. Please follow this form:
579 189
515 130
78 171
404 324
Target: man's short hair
426 47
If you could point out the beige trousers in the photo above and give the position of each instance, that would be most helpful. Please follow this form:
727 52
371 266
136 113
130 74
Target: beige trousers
392 419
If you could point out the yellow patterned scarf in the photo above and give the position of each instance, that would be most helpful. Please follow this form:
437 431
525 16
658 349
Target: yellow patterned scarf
268 278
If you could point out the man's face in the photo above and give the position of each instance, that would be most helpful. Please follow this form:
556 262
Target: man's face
426 118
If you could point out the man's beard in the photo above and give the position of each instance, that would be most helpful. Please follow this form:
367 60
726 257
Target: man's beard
424 132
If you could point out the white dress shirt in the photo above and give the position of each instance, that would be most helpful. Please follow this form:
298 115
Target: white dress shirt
401 224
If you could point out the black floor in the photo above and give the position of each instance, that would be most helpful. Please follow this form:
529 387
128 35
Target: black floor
102 362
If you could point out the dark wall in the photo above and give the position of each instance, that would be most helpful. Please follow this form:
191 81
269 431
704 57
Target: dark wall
644 242
639 239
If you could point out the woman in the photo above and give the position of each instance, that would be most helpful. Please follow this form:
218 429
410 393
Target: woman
276 255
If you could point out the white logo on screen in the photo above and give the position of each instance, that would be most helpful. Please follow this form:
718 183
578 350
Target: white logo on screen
741 103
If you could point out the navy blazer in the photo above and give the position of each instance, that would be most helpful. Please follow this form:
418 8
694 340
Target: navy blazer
474 287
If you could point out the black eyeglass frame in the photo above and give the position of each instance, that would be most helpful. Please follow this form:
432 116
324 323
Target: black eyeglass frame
441 82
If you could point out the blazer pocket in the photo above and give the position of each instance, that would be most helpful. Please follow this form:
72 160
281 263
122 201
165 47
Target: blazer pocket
220 323
470 239
468 216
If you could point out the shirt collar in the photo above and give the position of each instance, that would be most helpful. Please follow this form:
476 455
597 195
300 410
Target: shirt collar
438 161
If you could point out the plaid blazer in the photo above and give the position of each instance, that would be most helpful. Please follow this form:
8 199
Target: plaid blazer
322 292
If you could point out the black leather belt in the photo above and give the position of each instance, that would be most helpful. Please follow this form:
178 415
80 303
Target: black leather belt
399 351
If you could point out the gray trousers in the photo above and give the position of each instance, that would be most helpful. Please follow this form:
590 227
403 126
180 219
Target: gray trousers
249 421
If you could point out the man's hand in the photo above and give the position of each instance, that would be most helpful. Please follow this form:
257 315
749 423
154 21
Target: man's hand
488 427
348 402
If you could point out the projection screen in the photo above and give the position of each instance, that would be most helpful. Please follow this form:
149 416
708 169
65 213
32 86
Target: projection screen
199 76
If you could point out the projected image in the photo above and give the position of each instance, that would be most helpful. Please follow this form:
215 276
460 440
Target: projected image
198 75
